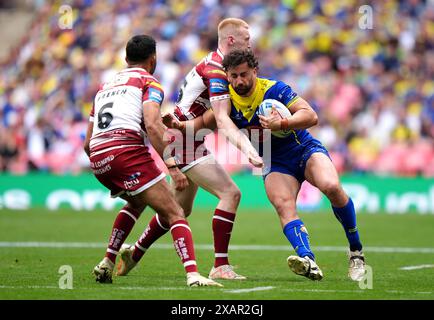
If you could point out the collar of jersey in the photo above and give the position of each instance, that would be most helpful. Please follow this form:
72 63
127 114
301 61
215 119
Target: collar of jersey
134 68
220 53
248 105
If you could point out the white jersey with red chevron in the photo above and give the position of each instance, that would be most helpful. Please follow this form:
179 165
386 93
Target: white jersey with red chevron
117 111
206 82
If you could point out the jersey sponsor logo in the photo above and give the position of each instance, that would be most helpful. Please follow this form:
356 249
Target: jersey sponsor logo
99 164
102 166
181 248
102 170
155 95
131 183
218 86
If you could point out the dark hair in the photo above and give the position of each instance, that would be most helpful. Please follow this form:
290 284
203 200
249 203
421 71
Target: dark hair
237 57
140 48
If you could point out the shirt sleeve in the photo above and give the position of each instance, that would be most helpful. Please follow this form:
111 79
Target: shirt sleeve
218 85
285 94
153 91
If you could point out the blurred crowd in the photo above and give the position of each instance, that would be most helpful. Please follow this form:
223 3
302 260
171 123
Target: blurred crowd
367 68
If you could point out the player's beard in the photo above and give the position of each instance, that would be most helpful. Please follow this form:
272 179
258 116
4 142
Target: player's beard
243 90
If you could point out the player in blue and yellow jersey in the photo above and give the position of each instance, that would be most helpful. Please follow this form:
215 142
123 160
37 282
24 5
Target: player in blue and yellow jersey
294 159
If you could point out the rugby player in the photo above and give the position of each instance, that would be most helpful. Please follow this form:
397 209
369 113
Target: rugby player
125 113
204 87
294 159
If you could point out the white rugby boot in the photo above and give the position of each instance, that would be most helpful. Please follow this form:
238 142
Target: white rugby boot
126 262
194 279
103 271
356 270
225 272
305 267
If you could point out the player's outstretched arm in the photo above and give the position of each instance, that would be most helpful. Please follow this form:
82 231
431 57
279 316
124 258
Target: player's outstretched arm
222 109
207 120
303 117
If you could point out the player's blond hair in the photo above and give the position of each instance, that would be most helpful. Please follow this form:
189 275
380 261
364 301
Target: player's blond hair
229 26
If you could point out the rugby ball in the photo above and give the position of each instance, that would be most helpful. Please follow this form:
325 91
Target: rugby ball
265 109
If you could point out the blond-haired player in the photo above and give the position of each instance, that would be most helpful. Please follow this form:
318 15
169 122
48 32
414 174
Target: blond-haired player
204 87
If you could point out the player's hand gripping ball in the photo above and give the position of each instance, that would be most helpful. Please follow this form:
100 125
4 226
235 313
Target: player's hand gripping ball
274 111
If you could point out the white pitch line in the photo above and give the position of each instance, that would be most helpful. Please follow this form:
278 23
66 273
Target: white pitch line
88 245
99 288
249 289
28 287
219 289
323 290
422 266
354 291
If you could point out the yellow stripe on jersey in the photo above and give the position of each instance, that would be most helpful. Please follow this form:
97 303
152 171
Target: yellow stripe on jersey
248 105
217 71
290 103
156 84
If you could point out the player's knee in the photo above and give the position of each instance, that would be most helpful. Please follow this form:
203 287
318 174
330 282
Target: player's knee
231 193
235 194
177 214
283 204
137 207
172 213
332 189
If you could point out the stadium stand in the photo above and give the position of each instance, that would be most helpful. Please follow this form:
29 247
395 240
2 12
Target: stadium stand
372 88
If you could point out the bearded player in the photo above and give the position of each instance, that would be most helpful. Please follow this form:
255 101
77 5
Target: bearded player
204 87
295 158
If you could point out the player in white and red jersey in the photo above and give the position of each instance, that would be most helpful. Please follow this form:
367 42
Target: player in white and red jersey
126 112
204 87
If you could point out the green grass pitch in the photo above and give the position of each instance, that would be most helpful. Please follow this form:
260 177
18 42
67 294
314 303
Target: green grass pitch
259 250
